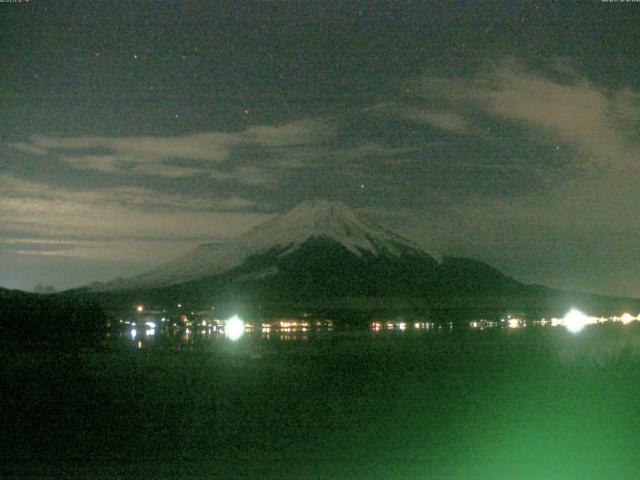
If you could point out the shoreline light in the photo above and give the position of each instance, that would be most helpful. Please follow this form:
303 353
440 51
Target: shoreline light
234 328
627 318
575 320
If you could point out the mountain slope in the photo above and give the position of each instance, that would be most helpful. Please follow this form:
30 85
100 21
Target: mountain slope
205 260
322 254
282 236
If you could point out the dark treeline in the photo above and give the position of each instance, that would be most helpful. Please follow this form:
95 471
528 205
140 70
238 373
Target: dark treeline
49 322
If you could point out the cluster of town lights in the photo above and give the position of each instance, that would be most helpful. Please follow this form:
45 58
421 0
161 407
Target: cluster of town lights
574 321
234 327
401 325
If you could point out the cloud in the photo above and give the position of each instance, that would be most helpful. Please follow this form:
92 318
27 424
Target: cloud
445 119
107 221
559 107
27 148
152 155
246 175
571 110
372 149
449 121
344 157
16 192
298 133
98 163
164 170
213 147
578 226
29 246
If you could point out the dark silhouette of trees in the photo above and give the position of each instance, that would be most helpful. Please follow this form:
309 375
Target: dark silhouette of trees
45 322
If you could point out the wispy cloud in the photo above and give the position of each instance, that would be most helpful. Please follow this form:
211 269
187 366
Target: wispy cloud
15 190
102 221
151 155
444 118
246 175
372 150
452 122
561 107
580 139
162 170
28 148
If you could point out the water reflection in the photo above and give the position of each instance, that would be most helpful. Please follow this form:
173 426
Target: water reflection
200 332
380 326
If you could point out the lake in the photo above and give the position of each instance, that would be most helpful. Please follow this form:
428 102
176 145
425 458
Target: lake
531 403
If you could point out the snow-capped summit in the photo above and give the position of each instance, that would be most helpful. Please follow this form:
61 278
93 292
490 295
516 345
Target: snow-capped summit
332 220
313 219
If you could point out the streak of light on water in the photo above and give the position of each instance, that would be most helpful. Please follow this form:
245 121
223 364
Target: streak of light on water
292 330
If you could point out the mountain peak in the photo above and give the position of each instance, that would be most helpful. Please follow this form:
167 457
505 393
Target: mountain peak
329 219
313 219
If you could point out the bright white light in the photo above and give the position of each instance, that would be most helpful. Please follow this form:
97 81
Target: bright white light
139 308
133 333
151 332
150 324
234 328
627 318
575 320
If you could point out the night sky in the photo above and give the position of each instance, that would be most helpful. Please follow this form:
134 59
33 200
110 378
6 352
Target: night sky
503 131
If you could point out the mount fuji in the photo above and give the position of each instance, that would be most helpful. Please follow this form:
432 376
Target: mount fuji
323 256
319 249
311 221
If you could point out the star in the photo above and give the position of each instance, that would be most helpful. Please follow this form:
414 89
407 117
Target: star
135 56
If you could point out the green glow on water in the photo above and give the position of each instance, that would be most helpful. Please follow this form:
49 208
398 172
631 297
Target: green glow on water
517 404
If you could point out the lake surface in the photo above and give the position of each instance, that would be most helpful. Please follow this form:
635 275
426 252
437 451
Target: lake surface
534 403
